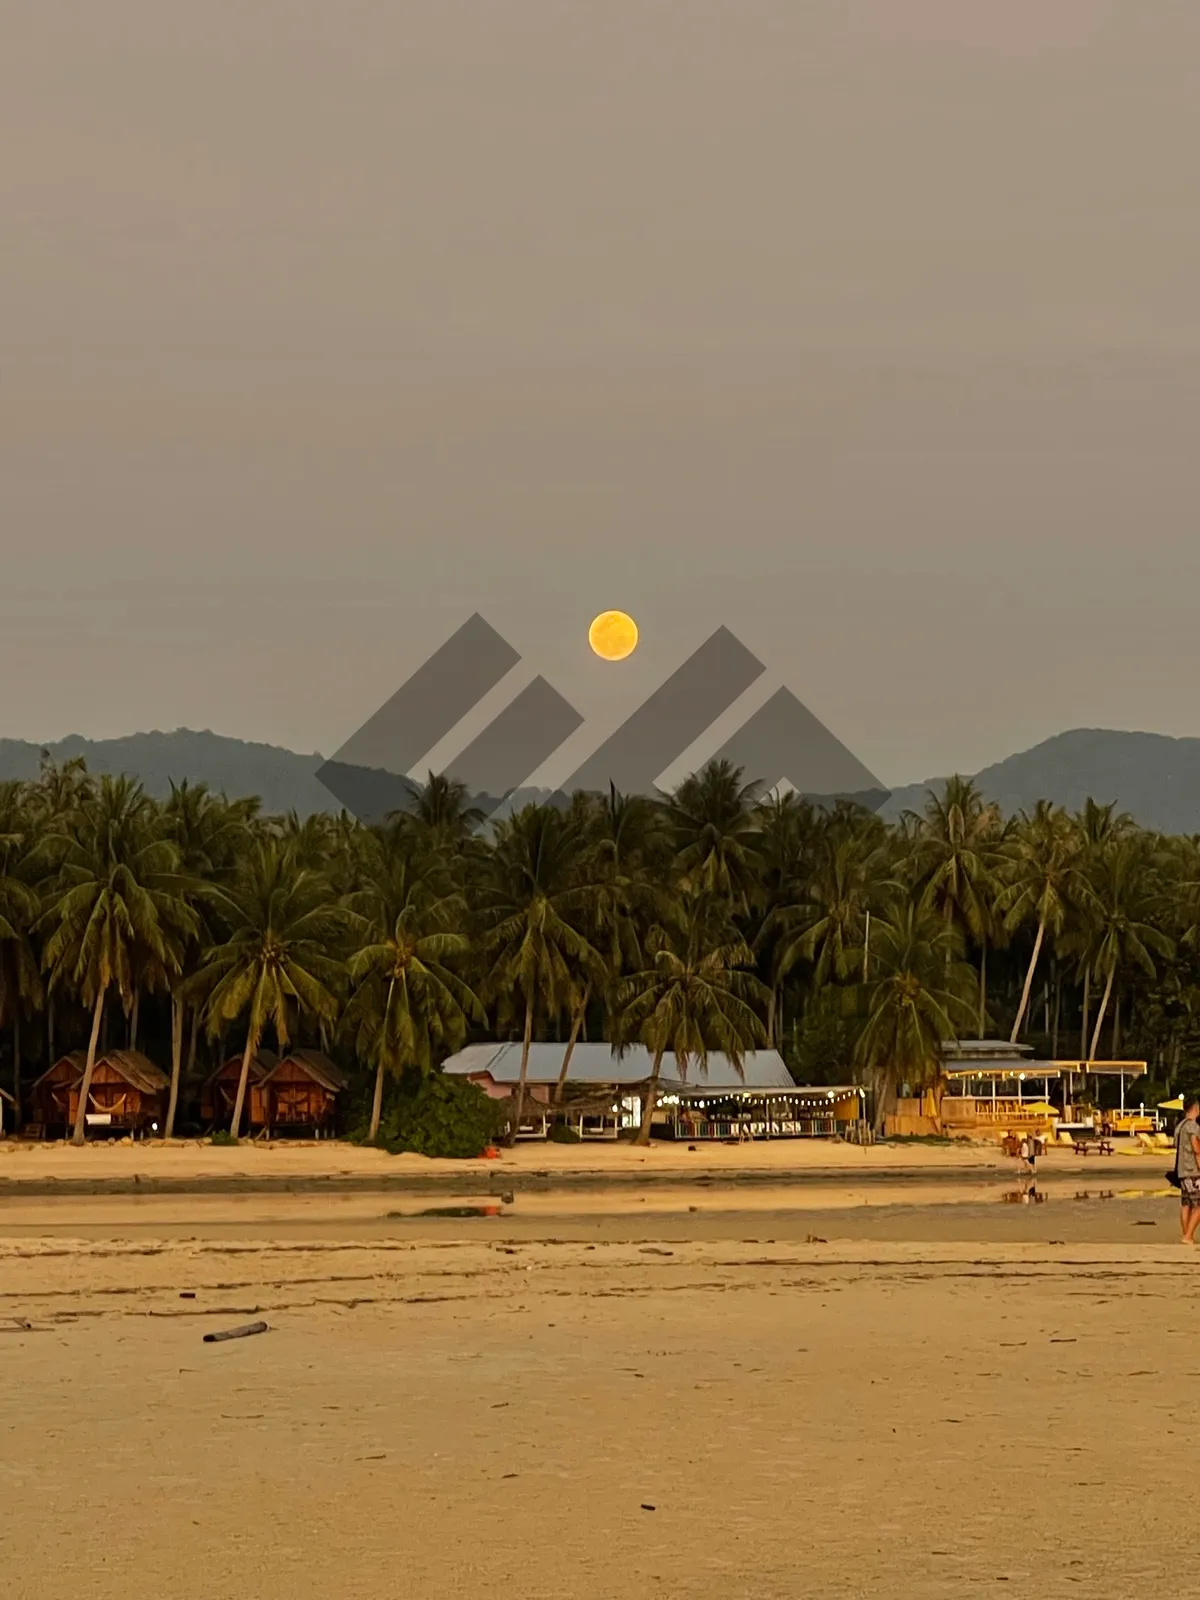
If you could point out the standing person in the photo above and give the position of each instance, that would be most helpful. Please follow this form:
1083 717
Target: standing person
1187 1167
1029 1154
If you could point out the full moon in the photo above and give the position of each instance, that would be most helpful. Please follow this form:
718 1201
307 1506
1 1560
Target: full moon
613 635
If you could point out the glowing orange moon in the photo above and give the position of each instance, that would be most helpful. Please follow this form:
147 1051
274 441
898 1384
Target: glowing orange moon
613 635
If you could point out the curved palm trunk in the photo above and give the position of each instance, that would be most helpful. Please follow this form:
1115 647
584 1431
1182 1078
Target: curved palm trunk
85 1088
1087 1006
377 1102
981 1024
191 1060
519 1110
176 1064
16 1088
650 1097
1104 999
235 1123
576 1025
1033 961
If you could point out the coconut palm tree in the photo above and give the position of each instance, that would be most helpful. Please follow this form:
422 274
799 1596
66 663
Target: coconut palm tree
119 910
1122 937
278 963
917 998
534 904
1041 879
409 1007
211 834
20 874
958 845
626 840
716 829
826 925
699 993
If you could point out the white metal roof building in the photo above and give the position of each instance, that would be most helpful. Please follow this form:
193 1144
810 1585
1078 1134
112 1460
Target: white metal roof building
600 1064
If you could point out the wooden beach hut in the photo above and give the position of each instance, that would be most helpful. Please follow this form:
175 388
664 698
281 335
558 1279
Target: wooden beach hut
220 1091
53 1099
128 1093
299 1094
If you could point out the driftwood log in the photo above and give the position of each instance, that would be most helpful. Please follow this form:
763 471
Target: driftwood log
244 1332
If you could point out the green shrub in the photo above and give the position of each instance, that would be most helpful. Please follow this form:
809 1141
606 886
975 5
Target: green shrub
438 1115
561 1134
223 1136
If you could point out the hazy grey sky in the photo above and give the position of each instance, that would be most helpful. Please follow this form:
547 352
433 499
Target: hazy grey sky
870 328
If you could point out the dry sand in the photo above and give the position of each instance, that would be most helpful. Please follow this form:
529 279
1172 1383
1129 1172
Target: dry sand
816 1398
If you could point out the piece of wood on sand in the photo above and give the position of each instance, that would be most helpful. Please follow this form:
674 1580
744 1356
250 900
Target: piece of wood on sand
244 1332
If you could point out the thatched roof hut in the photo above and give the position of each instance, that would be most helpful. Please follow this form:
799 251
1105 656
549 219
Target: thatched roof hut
300 1092
219 1093
128 1092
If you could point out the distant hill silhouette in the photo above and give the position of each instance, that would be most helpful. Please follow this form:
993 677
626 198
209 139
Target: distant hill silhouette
284 780
1155 778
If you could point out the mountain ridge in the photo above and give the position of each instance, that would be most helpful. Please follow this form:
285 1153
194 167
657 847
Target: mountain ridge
1155 777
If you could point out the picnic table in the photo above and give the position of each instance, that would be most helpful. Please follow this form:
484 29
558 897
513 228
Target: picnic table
1100 1147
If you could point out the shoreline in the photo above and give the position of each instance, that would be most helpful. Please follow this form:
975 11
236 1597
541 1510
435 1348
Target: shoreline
60 1171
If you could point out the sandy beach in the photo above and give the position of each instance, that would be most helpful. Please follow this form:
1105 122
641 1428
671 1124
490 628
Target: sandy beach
936 1387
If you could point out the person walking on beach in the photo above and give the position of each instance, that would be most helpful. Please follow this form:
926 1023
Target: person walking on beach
1187 1167
1028 1152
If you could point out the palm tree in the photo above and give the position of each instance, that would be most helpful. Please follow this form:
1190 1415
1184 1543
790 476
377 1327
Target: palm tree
119 908
409 1006
699 994
619 898
211 834
1042 879
534 905
1122 937
20 872
916 999
277 964
716 830
826 924
958 854
443 811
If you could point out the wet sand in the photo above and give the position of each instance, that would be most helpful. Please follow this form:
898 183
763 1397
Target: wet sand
816 1398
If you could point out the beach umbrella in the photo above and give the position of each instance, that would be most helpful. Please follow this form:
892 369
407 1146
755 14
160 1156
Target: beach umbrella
1171 1105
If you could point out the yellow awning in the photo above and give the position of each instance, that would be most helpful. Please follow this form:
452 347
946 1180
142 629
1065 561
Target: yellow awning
1171 1105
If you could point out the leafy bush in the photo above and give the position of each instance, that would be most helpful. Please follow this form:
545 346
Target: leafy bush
438 1115
223 1136
561 1134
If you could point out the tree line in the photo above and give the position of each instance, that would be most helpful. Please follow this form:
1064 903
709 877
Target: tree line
710 918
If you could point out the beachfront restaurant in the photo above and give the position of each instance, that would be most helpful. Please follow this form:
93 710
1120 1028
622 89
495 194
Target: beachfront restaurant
995 1087
707 1101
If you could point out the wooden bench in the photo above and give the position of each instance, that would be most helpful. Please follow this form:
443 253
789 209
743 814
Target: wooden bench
1101 1147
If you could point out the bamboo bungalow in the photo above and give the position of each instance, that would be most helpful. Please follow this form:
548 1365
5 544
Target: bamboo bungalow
128 1093
299 1094
219 1093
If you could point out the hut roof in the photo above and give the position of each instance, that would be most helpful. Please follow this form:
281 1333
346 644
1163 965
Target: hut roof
76 1059
137 1070
262 1062
317 1065
599 1063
